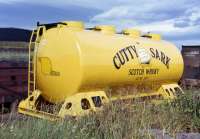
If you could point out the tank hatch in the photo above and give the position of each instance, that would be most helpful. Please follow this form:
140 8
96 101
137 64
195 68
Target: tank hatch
153 36
107 29
75 24
132 33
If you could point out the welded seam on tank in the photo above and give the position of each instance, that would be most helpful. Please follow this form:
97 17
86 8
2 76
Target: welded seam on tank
80 56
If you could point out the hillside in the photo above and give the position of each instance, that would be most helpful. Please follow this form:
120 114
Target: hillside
14 34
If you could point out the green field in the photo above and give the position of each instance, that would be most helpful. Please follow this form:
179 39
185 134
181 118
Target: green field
117 121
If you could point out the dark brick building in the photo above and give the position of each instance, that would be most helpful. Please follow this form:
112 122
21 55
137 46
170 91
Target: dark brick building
13 73
191 56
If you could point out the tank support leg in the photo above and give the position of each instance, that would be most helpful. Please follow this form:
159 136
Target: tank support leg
29 107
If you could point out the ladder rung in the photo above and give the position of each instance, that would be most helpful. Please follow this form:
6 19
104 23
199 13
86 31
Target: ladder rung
31 82
35 31
33 44
35 41
31 53
32 72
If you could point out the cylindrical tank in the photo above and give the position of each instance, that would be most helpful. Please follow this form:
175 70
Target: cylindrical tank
71 59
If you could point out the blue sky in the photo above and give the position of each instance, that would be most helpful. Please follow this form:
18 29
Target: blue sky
177 20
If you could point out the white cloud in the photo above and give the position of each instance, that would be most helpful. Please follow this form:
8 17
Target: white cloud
10 1
177 19
195 14
114 13
95 4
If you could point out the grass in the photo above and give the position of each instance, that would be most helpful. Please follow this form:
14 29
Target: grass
117 121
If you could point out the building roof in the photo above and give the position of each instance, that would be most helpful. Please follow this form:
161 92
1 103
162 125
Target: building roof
191 46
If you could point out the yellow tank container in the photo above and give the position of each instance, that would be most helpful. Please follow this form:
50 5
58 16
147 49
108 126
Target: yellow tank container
71 59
